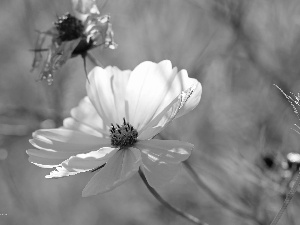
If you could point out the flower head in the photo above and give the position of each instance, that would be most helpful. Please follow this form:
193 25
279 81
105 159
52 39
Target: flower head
72 36
114 125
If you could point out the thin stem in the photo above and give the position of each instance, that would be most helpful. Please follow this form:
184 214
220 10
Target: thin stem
218 199
94 60
287 200
185 215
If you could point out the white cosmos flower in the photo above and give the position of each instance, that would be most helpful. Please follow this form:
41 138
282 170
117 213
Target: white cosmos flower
142 102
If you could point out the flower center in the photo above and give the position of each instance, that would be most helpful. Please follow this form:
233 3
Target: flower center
68 27
123 136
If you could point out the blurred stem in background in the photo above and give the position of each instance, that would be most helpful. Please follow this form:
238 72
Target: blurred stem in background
289 196
217 198
226 204
185 215
287 200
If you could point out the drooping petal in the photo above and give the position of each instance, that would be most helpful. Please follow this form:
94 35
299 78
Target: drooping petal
181 105
120 167
38 57
161 159
83 8
99 30
84 117
82 162
106 91
51 141
58 55
147 86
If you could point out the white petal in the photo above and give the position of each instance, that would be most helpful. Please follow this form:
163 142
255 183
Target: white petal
161 159
87 117
119 84
82 163
147 86
49 154
56 145
63 140
165 150
181 105
71 124
99 90
44 162
88 161
159 173
61 172
105 91
180 85
120 167
190 99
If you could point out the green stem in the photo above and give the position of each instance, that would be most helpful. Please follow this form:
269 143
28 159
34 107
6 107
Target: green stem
218 199
185 215
287 200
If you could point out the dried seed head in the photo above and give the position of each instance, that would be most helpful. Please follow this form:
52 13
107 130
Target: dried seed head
69 27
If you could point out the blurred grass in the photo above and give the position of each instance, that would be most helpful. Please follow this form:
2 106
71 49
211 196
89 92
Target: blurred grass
237 50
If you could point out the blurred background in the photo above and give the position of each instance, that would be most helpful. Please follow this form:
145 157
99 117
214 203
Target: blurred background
237 49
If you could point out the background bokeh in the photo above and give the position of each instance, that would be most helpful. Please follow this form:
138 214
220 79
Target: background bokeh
237 49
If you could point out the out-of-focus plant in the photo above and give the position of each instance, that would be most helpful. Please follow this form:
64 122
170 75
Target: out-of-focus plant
290 164
72 36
